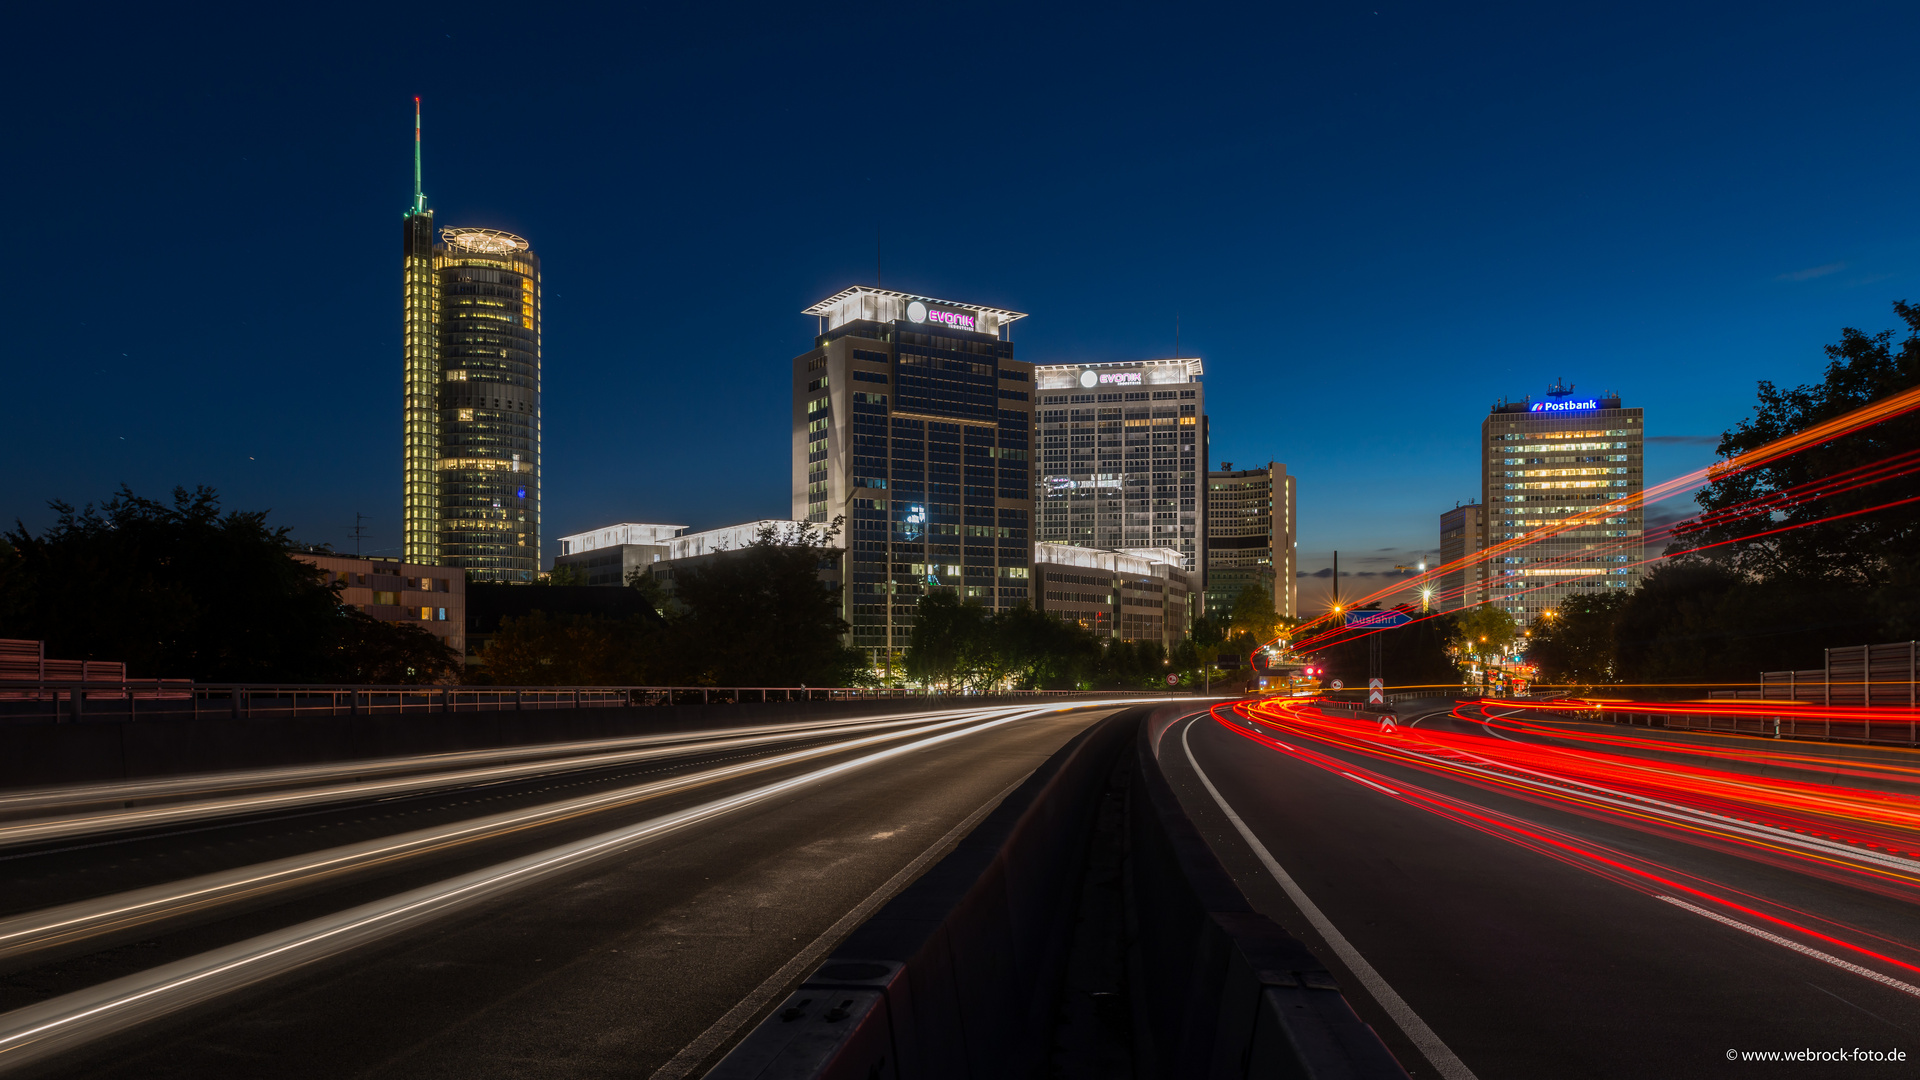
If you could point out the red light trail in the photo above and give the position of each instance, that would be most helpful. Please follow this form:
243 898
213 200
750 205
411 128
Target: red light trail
1779 808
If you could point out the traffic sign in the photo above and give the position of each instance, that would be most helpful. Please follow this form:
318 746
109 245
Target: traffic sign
1173 679
1338 685
1376 692
1378 620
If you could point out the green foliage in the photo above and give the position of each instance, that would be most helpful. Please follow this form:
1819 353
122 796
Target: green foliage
1484 630
563 575
1871 550
961 646
1577 643
760 616
1252 614
185 591
642 581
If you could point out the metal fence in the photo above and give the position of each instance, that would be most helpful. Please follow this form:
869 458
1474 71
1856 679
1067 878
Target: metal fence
180 699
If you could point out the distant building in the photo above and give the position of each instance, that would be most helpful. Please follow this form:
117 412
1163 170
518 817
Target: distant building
1123 456
434 598
1463 532
1250 536
1142 594
1545 461
609 556
470 410
913 421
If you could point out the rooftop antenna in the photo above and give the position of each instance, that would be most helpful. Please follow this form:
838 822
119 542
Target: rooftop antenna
419 197
1176 335
1560 389
876 256
359 531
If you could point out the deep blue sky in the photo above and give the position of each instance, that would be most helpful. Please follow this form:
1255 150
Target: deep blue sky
1371 220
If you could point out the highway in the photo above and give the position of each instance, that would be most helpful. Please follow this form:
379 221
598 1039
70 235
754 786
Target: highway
625 907
1517 895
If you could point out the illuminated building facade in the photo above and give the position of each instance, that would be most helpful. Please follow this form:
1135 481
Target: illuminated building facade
913 421
1545 461
390 590
420 358
470 348
1123 453
489 337
1141 594
1250 536
1463 532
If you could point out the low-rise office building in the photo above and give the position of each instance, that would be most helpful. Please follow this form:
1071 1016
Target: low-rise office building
611 555
1140 594
434 598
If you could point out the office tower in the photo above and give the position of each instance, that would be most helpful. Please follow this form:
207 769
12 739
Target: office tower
1123 454
1545 461
1463 532
1250 536
913 421
470 348
1142 594
489 336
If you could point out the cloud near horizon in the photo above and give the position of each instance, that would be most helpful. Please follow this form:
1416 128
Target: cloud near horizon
1812 272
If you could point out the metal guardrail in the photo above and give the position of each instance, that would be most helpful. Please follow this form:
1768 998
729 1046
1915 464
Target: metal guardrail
178 699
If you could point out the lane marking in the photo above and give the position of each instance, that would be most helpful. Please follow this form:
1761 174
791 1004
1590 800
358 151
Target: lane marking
1369 783
1825 958
1443 1059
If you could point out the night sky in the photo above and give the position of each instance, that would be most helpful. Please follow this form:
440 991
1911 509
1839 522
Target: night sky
1371 220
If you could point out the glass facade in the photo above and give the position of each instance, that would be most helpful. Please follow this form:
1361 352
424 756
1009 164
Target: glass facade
1548 461
1123 449
919 434
488 294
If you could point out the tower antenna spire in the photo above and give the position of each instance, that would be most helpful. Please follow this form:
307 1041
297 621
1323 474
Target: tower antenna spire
419 198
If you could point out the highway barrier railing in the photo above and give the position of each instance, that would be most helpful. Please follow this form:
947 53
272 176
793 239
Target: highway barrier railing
180 699
962 974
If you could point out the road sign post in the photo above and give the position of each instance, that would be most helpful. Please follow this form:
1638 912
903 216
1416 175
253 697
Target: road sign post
1376 692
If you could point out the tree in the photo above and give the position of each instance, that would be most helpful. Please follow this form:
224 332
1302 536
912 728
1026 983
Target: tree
1874 549
761 616
1485 630
642 581
1252 613
185 590
949 643
1421 653
563 575
1576 642
539 649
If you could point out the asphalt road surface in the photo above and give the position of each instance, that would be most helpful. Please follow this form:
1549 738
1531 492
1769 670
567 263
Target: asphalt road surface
1539 898
635 931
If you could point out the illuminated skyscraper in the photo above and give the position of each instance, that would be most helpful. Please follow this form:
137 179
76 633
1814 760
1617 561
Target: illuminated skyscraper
1545 461
912 419
471 350
420 352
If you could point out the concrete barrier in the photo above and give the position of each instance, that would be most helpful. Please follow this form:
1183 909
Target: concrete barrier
961 975
1220 989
